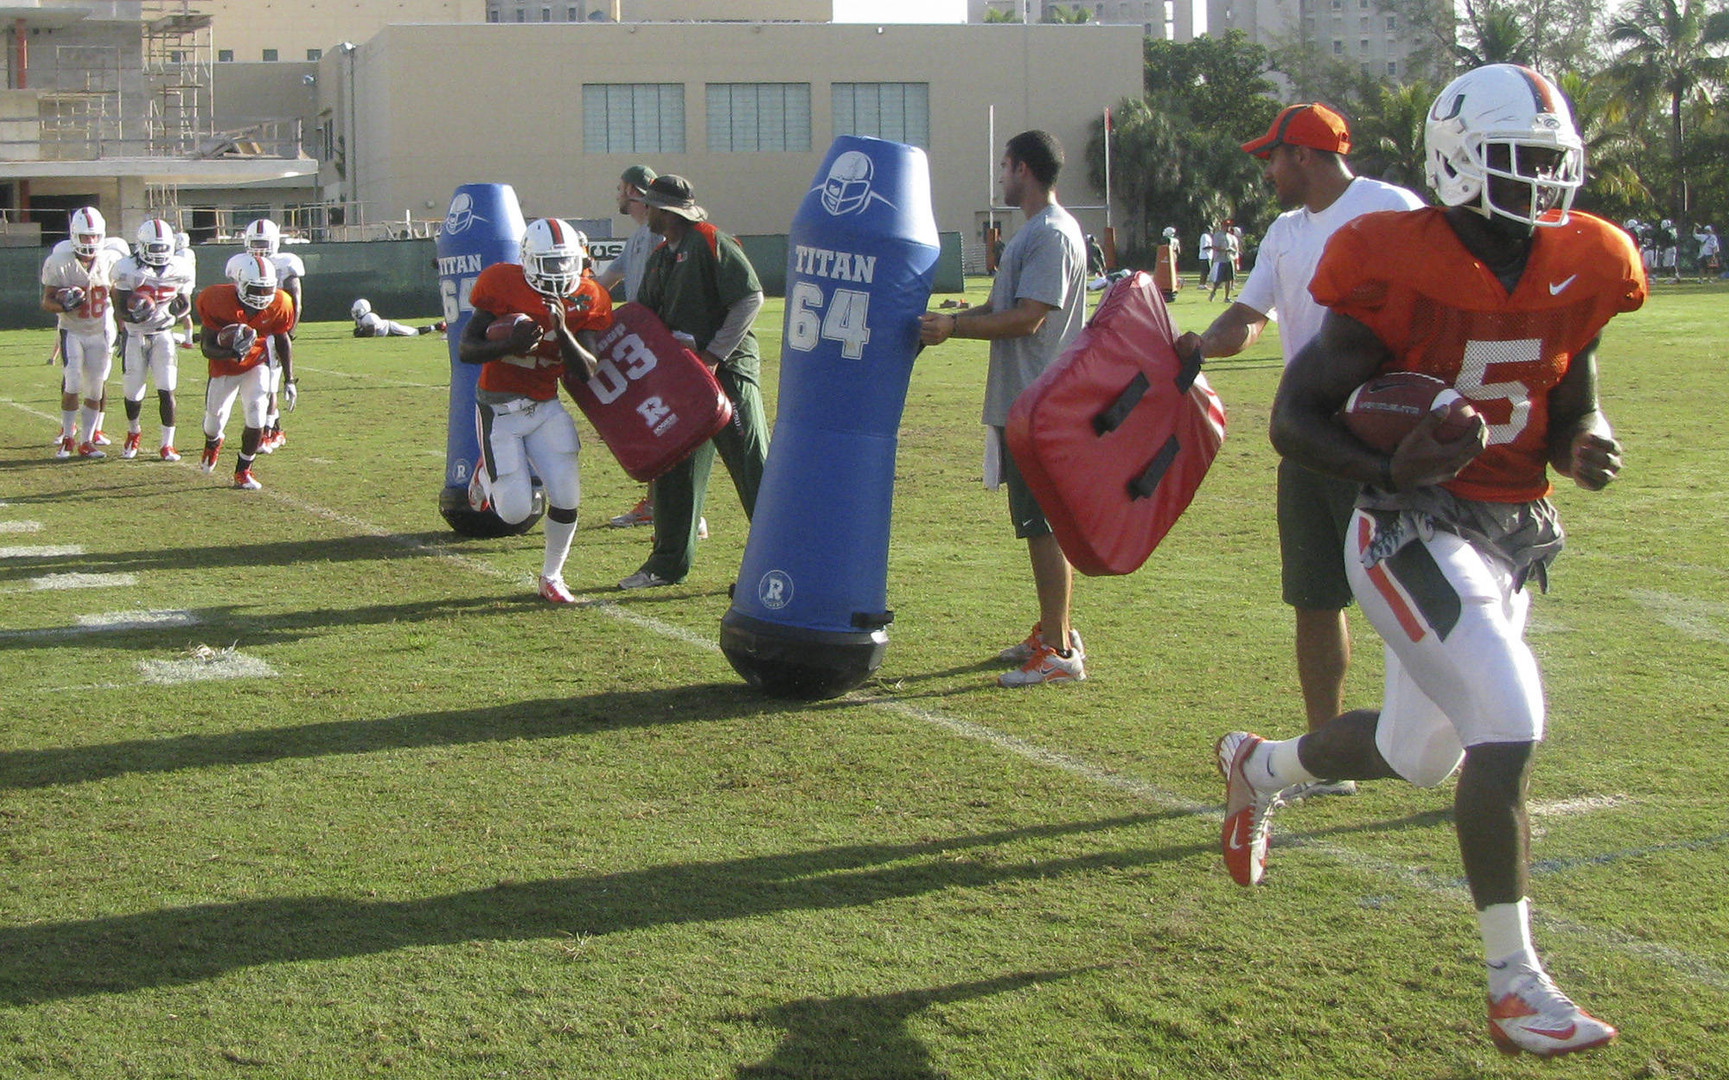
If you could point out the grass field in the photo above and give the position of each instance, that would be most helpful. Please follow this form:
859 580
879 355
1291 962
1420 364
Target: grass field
433 827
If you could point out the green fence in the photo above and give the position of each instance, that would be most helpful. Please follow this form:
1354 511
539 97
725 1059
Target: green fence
399 277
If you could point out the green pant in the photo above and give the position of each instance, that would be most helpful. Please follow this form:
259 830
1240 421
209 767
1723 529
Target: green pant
679 492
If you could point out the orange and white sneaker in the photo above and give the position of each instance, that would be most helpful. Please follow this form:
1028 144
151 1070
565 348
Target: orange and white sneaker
1022 652
1046 665
245 481
1248 826
640 514
478 499
168 453
88 452
129 449
207 460
64 448
100 439
554 591
1539 1019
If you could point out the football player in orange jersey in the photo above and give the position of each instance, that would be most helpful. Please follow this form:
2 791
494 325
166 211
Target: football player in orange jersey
241 322
1503 293
521 423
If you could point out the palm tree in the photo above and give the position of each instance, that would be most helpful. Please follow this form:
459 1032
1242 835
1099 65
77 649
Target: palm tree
1057 13
1669 56
1499 36
1611 145
1390 139
1001 15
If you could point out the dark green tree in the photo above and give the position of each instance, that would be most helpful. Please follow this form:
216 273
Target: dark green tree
1217 83
1671 55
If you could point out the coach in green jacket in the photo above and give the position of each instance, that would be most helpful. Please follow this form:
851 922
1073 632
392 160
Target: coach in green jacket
702 286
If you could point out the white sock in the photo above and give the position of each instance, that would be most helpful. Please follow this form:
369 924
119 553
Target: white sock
91 420
99 416
68 423
271 421
1506 930
134 427
558 537
1274 766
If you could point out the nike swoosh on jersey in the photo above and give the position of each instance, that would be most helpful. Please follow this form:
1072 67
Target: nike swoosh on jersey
1556 287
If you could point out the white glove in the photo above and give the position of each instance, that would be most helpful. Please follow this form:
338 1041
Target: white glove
290 394
70 298
684 339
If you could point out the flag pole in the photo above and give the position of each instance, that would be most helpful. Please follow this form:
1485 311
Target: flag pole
1107 166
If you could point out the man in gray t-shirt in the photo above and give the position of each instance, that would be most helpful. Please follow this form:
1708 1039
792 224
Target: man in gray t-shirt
1037 306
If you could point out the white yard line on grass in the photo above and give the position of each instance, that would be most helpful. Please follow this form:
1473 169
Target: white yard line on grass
42 551
20 526
372 378
1706 620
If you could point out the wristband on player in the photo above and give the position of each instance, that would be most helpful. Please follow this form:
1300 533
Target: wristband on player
1386 483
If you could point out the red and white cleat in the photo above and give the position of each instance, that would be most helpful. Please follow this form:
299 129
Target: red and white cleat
1248 827
245 481
554 591
89 452
168 453
129 449
207 460
1539 1019
100 439
64 448
1046 665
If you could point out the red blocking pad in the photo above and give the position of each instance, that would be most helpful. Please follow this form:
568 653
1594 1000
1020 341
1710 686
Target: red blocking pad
1116 436
652 400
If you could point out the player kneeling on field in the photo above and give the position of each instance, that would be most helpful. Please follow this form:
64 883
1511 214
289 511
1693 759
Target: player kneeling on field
241 321
532 321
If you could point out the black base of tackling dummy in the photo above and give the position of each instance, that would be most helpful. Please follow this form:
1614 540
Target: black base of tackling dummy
798 663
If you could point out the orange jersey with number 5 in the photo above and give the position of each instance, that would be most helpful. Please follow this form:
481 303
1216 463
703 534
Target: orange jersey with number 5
502 290
1441 311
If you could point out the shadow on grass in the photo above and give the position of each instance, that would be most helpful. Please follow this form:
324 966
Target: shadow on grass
244 556
123 953
549 718
865 1035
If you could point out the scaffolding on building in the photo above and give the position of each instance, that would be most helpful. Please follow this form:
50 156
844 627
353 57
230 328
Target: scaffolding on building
179 72
80 110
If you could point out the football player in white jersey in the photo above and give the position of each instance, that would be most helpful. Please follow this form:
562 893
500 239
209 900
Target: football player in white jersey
263 237
369 323
76 279
152 292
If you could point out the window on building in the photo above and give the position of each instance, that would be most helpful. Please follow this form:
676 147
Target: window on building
1392 67
898 111
633 118
1338 47
570 14
314 54
176 56
492 16
269 56
520 17
1363 24
746 118
1337 4
225 56
1392 22
546 14
1363 45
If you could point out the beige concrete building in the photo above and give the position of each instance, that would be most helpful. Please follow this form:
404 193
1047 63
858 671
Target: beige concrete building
546 11
745 111
1167 20
1381 42
275 31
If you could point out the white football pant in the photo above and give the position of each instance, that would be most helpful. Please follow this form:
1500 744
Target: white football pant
1458 670
522 434
87 360
148 354
251 387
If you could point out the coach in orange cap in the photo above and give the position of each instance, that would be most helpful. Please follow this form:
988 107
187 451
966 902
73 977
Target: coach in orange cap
1304 154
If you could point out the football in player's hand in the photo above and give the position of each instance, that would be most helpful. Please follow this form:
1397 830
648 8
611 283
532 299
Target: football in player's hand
1382 411
238 337
141 307
504 327
70 297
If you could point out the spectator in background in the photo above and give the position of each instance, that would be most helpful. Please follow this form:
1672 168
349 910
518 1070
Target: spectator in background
1710 252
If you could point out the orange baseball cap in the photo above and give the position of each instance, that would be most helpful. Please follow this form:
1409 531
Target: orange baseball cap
1309 124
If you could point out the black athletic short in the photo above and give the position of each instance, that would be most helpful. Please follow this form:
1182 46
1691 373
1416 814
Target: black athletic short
1314 513
1024 510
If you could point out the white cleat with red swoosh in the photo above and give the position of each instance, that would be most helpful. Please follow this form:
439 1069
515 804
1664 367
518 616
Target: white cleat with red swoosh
1248 811
1539 1019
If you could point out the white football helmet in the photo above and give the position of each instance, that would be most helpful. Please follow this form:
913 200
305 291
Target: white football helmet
88 231
1484 125
360 309
256 282
1666 224
1170 232
553 255
263 238
155 243
182 242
